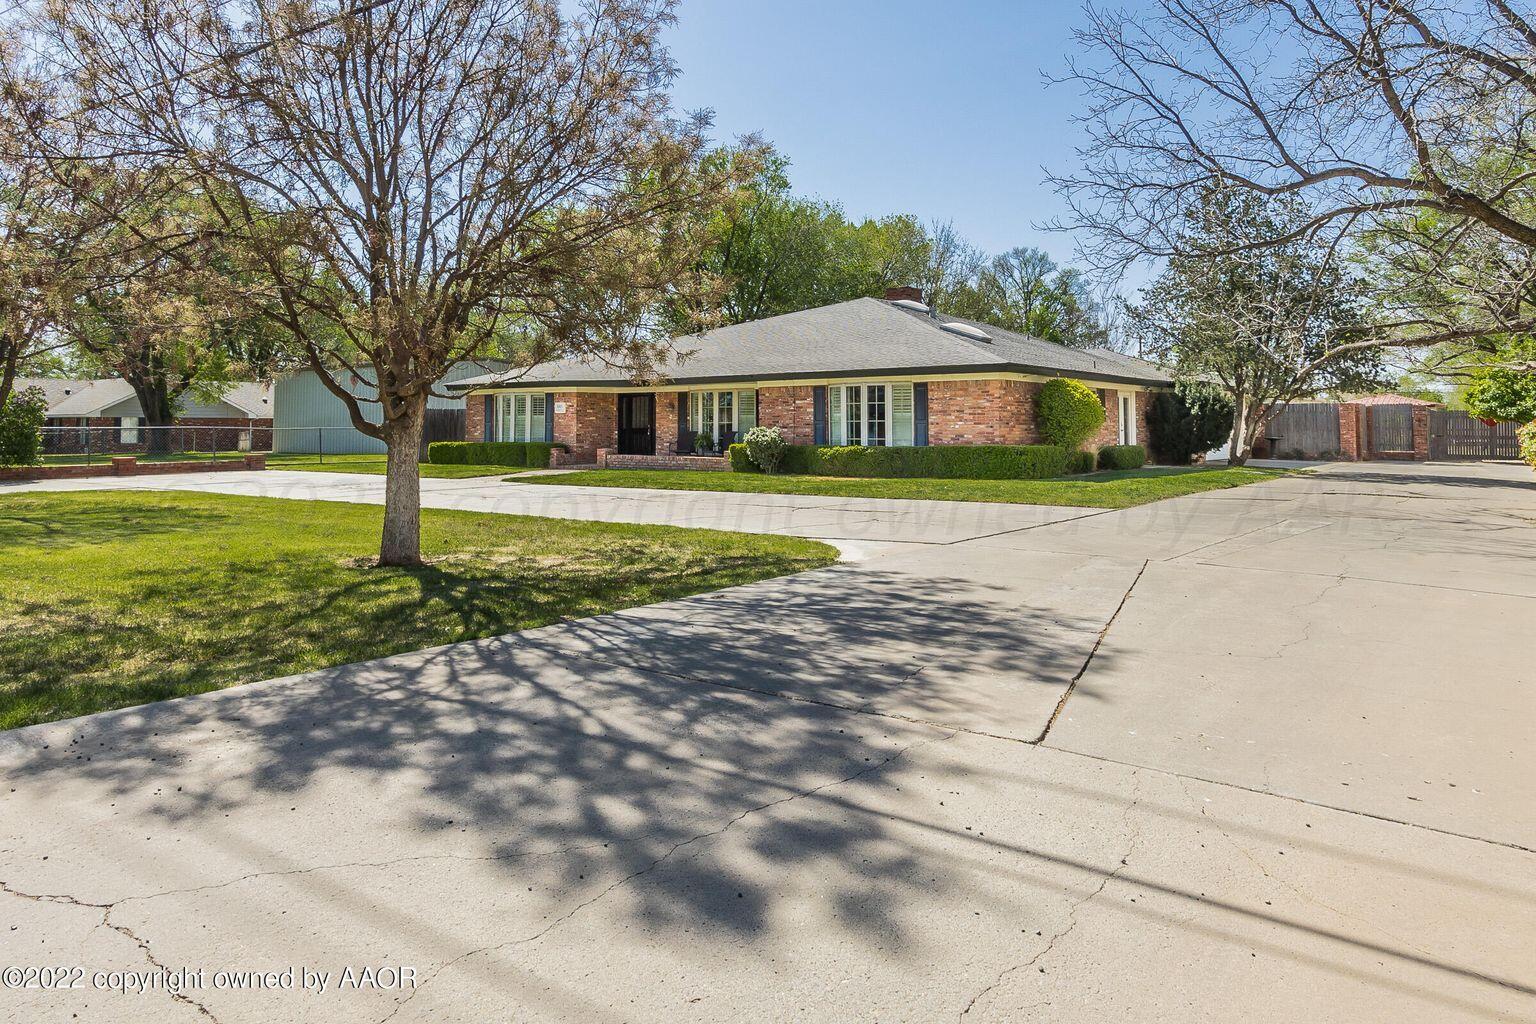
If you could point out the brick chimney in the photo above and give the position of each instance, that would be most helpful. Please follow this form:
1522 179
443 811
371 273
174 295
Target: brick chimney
904 292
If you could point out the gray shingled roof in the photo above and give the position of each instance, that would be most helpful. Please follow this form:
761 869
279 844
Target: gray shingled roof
855 338
68 398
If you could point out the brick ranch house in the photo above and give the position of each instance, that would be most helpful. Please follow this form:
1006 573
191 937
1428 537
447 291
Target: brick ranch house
874 372
106 414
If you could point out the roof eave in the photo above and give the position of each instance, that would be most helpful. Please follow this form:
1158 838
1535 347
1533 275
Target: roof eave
470 386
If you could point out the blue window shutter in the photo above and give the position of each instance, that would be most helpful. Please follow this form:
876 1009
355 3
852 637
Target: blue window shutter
488 431
920 413
549 416
819 407
684 435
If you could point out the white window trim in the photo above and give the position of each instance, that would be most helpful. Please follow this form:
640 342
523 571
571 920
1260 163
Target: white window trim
1127 415
890 419
696 420
507 413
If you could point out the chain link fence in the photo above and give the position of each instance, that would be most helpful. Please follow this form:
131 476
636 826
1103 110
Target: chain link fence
283 446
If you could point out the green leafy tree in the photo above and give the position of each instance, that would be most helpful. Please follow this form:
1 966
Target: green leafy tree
1269 323
1501 393
1024 290
1067 413
21 423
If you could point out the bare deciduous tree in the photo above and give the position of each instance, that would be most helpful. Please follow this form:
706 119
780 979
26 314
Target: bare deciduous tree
1375 112
415 180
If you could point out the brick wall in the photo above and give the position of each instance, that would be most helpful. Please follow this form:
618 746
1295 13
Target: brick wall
590 421
1109 433
791 409
128 465
666 423
982 412
612 460
1143 407
474 418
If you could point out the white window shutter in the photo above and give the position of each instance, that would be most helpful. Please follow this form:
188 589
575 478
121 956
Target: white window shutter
536 413
835 415
746 411
901 414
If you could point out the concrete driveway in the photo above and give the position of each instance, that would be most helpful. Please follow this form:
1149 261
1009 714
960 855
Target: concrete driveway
1262 754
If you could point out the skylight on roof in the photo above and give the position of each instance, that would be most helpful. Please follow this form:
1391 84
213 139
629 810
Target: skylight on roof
916 307
967 331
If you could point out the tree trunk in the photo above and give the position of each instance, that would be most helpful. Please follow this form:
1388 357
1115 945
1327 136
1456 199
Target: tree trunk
1240 444
401 543
159 413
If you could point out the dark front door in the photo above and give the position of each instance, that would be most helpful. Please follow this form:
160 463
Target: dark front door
637 424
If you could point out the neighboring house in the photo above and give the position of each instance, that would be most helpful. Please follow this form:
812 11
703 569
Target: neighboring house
240 416
310 418
870 371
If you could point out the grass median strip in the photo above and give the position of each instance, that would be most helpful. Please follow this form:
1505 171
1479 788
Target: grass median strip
118 598
1094 490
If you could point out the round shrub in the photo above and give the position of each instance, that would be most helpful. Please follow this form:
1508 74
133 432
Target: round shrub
766 446
1122 456
1067 412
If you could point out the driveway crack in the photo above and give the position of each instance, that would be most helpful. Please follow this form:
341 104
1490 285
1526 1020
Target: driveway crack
1077 905
121 929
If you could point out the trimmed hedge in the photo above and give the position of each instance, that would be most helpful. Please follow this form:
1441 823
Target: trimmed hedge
957 461
530 454
1122 456
1081 462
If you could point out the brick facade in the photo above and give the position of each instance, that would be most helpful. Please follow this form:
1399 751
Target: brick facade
982 412
959 412
791 409
666 423
613 460
590 421
474 418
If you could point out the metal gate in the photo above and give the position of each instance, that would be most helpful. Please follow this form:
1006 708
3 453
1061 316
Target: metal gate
1456 435
1305 430
1391 428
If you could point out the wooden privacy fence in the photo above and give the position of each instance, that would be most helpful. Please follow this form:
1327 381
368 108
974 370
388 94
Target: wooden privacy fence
1391 428
1456 435
1305 430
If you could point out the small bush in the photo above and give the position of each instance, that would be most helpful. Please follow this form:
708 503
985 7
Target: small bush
1067 412
1081 462
965 462
766 446
1188 421
1527 436
532 454
1122 456
21 422
740 461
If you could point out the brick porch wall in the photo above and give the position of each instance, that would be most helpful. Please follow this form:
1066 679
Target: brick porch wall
590 421
791 409
982 412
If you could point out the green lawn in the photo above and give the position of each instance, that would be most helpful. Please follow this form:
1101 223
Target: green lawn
117 598
1098 490
371 464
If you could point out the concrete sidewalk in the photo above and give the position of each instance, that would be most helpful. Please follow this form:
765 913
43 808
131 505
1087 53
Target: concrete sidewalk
1284 775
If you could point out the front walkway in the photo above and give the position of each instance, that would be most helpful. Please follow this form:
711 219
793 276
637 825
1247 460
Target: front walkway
1285 775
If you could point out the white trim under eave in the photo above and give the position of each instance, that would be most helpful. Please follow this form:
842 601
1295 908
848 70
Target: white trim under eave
779 382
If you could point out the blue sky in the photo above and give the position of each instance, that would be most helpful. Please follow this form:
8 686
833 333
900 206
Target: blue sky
895 106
